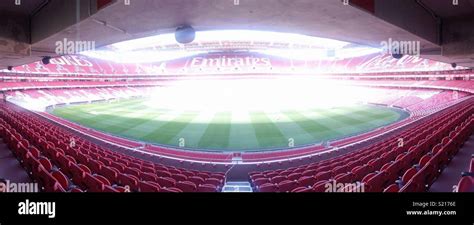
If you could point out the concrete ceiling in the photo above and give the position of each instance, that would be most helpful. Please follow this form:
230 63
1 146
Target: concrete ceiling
24 7
443 30
465 8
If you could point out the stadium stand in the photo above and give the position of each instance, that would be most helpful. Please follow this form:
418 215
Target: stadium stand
76 95
438 99
398 95
427 149
466 183
59 164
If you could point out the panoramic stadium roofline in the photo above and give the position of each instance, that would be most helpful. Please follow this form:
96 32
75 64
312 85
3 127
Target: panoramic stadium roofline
164 47
239 63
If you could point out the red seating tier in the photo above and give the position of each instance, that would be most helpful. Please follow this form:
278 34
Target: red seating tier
46 152
378 166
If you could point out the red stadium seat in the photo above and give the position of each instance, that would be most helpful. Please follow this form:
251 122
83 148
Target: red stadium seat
166 181
103 179
61 178
45 163
196 179
47 181
360 172
323 175
305 173
110 173
132 171
119 166
298 175
287 185
377 182
92 183
471 166
121 189
466 184
375 163
260 181
128 180
256 176
277 179
162 173
412 186
307 181
171 189
408 175
218 176
107 188
78 174
207 188
427 175
63 161
145 186
424 160
186 173
268 187
213 181
321 186
95 166
85 168
35 152
179 177
31 163
392 188
302 189
149 177
344 178
146 169
203 175
186 186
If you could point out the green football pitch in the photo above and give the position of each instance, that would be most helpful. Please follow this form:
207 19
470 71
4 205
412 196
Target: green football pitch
228 130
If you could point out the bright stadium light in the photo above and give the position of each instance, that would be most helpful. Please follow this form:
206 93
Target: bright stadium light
229 35
345 53
148 56
319 54
269 95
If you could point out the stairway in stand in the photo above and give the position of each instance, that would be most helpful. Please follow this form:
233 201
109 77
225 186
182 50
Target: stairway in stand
239 186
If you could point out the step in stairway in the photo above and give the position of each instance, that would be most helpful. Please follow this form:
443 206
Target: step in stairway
241 186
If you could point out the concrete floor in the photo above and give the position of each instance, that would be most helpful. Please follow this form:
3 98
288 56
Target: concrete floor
10 168
460 163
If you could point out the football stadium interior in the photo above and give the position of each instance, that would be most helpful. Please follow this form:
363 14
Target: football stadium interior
237 96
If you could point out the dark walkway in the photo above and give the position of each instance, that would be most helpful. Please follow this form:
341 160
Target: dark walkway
460 163
10 168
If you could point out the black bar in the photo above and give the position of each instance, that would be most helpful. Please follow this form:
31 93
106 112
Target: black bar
241 208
